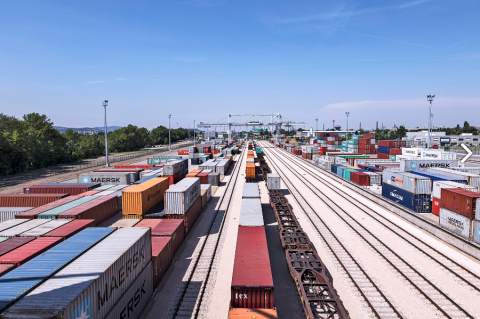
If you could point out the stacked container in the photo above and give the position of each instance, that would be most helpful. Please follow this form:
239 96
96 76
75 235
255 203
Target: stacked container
28 200
140 199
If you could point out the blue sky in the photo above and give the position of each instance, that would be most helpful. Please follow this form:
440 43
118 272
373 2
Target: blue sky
203 59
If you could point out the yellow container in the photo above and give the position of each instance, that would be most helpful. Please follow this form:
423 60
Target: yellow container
143 197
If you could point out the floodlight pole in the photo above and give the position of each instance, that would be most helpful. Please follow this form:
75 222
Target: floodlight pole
169 142
430 99
194 133
348 113
105 103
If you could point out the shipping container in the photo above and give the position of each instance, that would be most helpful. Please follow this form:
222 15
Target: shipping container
360 178
455 223
142 166
148 223
142 198
476 231
137 171
57 189
23 227
29 250
25 278
122 223
190 217
252 289
203 176
273 181
93 283
181 196
100 209
251 213
472 170
438 185
88 193
54 212
412 183
28 200
13 243
162 256
7 213
435 206
250 190
72 228
172 168
417 203
439 177
472 179
133 301
222 167
124 178
10 224
424 164
173 228
375 179
95 185
461 201
31 214
247 313
45 228
214 179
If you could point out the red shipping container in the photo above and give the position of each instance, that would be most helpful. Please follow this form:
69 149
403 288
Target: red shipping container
28 200
161 258
360 178
203 178
160 165
386 143
70 229
252 282
383 156
460 201
369 135
30 250
100 209
13 243
56 189
32 213
436 206
89 193
190 217
148 223
183 152
173 179
395 151
207 149
125 170
144 166
174 228
5 268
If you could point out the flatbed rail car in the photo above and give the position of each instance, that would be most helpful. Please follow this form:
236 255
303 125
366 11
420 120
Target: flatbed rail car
317 294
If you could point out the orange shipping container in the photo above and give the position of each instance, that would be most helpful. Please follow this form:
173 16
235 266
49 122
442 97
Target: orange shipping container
143 197
250 171
194 173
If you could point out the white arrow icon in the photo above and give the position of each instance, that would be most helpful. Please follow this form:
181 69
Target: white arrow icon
469 153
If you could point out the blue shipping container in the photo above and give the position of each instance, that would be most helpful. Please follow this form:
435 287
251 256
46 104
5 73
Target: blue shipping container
195 161
334 168
439 177
417 203
20 281
383 149
371 168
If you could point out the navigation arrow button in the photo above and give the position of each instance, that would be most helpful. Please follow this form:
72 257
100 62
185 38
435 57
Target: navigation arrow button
469 153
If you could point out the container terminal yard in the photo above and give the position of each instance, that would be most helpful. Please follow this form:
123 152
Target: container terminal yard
242 228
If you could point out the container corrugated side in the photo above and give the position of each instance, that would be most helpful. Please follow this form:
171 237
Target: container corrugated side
424 164
52 213
93 283
438 185
412 183
273 181
460 201
251 212
417 203
7 213
45 228
124 178
33 213
11 223
375 179
100 209
122 223
472 179
13 243
133 301
30 250
471 170
23 227
162 255
250 190
72 228
181 196
28 200
143 197
476 231
456 223
25 278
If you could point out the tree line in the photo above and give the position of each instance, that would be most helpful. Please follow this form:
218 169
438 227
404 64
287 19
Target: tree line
31 142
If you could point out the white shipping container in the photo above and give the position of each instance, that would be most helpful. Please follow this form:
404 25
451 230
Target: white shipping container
7 213
375 178
11 223
45 228
456 223
172 168
124 178
222 167
438 185
208 188
23 227
251 212
438 155
371 161
423 164
132 303
472 179
471 170
273 181
181 196
91 285
476 231
411 183
411 151
250 190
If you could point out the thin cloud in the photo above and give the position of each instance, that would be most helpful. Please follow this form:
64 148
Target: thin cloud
412 4
93 82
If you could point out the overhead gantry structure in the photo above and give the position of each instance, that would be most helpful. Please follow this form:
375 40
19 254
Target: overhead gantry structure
276 121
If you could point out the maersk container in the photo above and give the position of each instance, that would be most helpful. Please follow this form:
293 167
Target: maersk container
107 178
90 286
7 213
23 227
133 301
412 183
22 280
250 190
417 203
53 213
181 196
438 185
251 212
456 223
423 164
45 228
472 179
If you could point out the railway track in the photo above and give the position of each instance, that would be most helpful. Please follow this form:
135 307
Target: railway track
192 292
435 296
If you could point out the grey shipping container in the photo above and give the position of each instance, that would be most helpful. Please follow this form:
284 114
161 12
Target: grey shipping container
423 164
214 179
7 213
23 227
208 188
375 179
476 231
456 223
251 212
131 304
415 184
124 178
438 185
250 190
273 181
211 166
222 167
172 168
250 160
472 179
11 223
472 170
181 196
92 284
45 228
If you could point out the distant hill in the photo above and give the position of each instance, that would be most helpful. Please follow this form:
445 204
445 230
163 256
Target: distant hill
87 130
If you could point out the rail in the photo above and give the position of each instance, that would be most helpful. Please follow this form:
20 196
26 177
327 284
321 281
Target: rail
11 180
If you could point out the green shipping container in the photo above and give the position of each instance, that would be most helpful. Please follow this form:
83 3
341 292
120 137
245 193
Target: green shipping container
203 159
392 157
346 173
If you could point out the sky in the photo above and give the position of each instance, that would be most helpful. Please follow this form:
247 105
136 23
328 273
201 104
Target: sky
203 59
